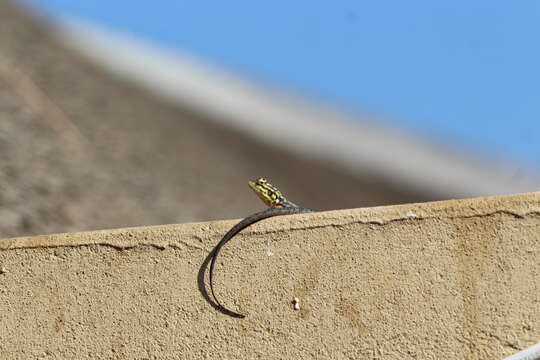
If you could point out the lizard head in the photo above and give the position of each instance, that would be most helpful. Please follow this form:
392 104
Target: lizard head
267 192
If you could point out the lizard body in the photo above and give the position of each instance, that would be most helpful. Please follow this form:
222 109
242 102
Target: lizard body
278 206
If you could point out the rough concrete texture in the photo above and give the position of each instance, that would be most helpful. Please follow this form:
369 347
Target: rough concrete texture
445 280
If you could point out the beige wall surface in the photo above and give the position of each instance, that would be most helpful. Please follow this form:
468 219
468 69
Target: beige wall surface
453 280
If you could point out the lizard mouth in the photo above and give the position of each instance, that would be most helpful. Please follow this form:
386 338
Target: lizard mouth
252 185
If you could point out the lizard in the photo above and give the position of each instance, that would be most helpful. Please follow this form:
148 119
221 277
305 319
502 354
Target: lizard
277 205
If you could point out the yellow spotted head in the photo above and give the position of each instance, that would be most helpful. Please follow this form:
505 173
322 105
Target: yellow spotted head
267 192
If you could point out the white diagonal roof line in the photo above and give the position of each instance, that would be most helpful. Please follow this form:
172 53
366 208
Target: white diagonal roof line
301 126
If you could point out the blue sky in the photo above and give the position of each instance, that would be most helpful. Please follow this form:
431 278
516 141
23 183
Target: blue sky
465 72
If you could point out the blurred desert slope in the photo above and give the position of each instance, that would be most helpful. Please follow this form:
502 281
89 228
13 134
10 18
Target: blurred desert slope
81 149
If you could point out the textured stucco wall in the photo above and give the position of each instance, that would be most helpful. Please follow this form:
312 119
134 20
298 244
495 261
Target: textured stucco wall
453 280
